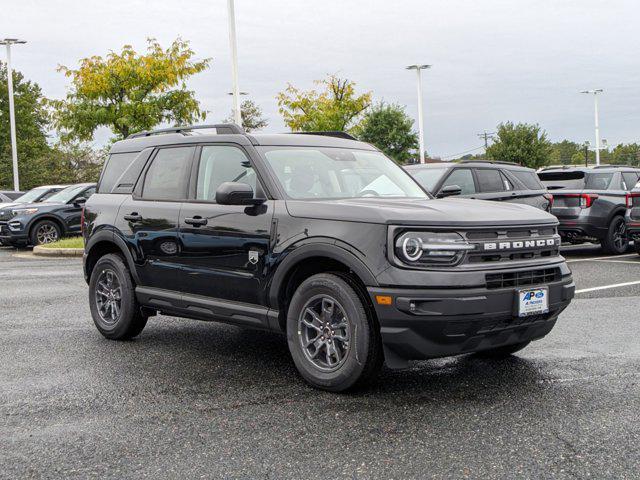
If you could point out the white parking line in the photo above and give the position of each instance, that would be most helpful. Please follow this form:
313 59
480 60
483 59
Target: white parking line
600 258
605 287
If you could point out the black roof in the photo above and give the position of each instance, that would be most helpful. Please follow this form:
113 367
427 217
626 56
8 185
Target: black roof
582 168
232 133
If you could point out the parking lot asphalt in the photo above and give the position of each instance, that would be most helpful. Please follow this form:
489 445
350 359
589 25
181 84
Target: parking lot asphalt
190 399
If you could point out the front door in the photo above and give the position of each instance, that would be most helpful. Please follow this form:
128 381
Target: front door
149 219
224 248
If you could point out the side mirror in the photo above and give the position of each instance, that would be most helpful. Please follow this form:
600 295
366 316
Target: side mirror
236 193
449 191
78 202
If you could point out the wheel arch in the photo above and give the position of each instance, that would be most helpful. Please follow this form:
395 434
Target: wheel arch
103 243
309 260
52 218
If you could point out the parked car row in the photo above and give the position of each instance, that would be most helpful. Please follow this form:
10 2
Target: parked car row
589 203
44 214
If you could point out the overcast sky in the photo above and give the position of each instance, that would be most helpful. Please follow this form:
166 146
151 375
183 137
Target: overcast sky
493 60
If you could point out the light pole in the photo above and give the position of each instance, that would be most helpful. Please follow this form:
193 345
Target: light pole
597 122
12 115
234 63
418 69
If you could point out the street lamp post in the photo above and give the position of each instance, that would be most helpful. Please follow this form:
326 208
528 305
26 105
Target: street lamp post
418 69
234 63
597 121
12 115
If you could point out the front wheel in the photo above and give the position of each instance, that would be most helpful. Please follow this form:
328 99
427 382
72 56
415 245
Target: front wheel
334 343
616 241
112 300
45 231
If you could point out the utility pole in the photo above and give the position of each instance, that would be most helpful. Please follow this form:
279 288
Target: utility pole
486 135
12 115
597 122
418 69
234 63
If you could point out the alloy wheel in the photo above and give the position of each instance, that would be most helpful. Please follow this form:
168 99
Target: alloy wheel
620 236
324 332
47 233
109 297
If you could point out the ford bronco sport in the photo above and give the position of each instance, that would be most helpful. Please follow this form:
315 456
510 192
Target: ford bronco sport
322 238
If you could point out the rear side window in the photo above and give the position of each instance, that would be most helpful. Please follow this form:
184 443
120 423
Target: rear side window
463 178
113 170
491 180
598 181
630 180
563 180
528 179
167 177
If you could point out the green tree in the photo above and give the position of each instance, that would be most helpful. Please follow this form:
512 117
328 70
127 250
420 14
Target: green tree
522 143
128 92
252 118
390 129
628 154
563 152
31 126
337 107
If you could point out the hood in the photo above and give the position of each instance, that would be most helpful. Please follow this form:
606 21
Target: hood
42 207
440 212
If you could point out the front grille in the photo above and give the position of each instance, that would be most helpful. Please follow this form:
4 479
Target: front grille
522 279
512 236
496 325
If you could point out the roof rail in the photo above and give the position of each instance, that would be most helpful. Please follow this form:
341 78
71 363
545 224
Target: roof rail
331 133
499 162
615 166
220 128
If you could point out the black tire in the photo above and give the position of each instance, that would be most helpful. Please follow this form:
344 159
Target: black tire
121 323
45 231
636 245
503 352
362 355
616 242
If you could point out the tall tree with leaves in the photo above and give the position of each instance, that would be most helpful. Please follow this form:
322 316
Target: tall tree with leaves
390 129
31 125
128 92
521 143
252 118
336 107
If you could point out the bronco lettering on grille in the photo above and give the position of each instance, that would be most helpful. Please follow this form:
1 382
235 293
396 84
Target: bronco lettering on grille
544 242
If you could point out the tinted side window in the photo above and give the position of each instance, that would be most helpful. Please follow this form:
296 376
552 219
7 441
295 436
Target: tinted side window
167 177
113 170
490 180
528 179
219 164
630 180
598 181
88 192
463 178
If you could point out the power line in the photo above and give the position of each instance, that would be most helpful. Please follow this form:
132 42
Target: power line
462 153
486 135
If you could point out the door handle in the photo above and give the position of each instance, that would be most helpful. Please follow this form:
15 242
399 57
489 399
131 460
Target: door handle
196 221
133 217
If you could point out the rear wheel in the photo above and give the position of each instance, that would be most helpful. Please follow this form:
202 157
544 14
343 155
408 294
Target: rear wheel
112 300
334 342
503 352
616 241
45 231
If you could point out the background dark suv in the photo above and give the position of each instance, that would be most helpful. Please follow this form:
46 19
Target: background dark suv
484 180
591 203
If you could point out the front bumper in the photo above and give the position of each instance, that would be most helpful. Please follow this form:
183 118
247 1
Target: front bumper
12 237
445 322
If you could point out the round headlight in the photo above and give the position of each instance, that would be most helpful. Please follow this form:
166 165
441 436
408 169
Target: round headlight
412 248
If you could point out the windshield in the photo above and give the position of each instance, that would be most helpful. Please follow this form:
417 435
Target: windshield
63 196
428 177
32 195
322 173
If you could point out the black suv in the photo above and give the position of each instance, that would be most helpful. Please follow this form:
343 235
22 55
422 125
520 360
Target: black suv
47 221
320 237
591 203
484 180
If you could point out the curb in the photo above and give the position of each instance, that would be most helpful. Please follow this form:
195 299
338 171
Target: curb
57 252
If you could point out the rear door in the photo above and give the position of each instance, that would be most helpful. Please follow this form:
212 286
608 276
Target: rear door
224 248
148 220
